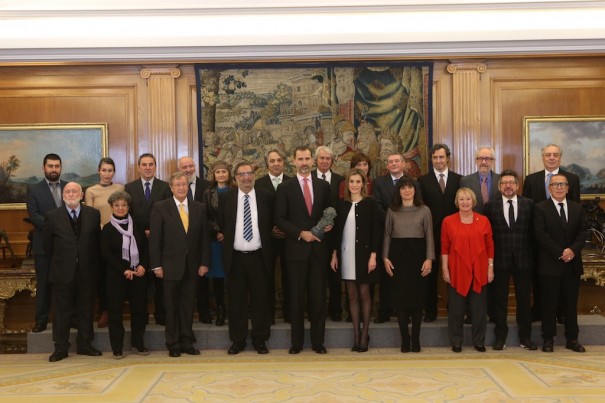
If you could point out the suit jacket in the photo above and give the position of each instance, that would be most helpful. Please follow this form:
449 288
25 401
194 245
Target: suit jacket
553 237
512 245
533 186
265 183
334 186
200 187
383 194
292 217
473 182
441 204
173 249
66 250
39 201
139 208
264 206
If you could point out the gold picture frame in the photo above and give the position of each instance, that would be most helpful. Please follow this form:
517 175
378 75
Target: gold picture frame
22 151
582 141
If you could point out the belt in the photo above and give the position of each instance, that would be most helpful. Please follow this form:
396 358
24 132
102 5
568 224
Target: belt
248 252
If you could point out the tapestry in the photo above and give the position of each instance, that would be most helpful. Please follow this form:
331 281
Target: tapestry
378 109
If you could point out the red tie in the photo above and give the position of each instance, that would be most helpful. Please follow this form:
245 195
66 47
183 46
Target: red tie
307 194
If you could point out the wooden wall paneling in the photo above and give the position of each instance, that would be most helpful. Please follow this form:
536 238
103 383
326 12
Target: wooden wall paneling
186 109
442 109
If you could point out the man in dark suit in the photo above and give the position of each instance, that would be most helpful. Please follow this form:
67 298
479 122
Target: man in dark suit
42 197
299 206
144 193
438 188
179 246
535 186
560 229
511 217
197 186
71 240
484 182
246 223
384 187
324 159
275 164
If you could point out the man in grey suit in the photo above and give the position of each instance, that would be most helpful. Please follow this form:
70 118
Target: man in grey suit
144 193
41 198
246 222
484 182
511 217
179 246
71 241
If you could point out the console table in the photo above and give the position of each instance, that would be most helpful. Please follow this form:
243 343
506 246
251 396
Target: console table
594 267
13 280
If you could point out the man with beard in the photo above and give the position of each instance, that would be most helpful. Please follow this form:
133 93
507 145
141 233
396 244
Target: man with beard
71 240
299 206
41 198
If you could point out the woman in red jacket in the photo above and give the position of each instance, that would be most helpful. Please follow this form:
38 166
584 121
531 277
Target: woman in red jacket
467 255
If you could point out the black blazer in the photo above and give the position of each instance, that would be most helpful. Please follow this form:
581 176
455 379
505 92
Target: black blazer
335 181
228 214
265 183
111 250
533 186
39 201
441 204
512 244
368 235
200 187
66 250
383 194
170 247
139 208
292 217
472 182
553 237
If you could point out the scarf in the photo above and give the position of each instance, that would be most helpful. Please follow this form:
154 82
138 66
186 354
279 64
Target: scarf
130 252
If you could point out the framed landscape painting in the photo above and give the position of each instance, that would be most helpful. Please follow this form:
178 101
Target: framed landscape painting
22 151
582 141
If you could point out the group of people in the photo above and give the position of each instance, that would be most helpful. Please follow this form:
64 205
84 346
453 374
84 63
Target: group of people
394 232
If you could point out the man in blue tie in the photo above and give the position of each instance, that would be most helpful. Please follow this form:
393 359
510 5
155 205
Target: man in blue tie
246 219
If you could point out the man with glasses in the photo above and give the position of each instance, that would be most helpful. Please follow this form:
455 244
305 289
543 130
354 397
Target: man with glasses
535 186
484 182
560 230
511 217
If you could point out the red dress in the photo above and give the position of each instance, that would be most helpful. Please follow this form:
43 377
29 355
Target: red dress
468 246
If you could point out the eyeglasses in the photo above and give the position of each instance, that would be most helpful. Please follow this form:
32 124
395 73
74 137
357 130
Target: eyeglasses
484 159
559 185
245 174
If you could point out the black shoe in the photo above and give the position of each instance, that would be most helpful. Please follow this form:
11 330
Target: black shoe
575 346
294 350
547 346
527 344
190 351
456 349
140 350
480 349
57 356
349 318
89 351
118 355
40 327
499 345
320 349
261 348
160 320
415 348
336 317
355 348
174 353
405 348
220 315
382 318
430 318
467 320
236 348
207 319
560 319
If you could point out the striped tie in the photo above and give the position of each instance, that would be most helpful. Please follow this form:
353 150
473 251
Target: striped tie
247 220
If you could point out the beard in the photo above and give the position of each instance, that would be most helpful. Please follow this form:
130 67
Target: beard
52 176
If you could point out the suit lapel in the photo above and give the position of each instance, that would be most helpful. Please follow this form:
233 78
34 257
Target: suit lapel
174 211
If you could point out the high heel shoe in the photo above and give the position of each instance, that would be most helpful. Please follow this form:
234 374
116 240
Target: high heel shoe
362 349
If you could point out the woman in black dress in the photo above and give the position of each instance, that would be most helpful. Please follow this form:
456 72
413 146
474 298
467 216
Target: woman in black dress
358 232
124 249
408 251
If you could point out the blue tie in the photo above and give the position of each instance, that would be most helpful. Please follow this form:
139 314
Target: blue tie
147 192
247 220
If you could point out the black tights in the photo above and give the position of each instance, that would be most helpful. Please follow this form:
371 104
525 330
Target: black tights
218 289
403 317
360 307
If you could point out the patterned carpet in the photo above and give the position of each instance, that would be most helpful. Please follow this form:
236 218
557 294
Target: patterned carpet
382 375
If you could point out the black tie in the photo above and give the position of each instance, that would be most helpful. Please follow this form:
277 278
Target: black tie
562 213
511 214
323 176
147 192
189 192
